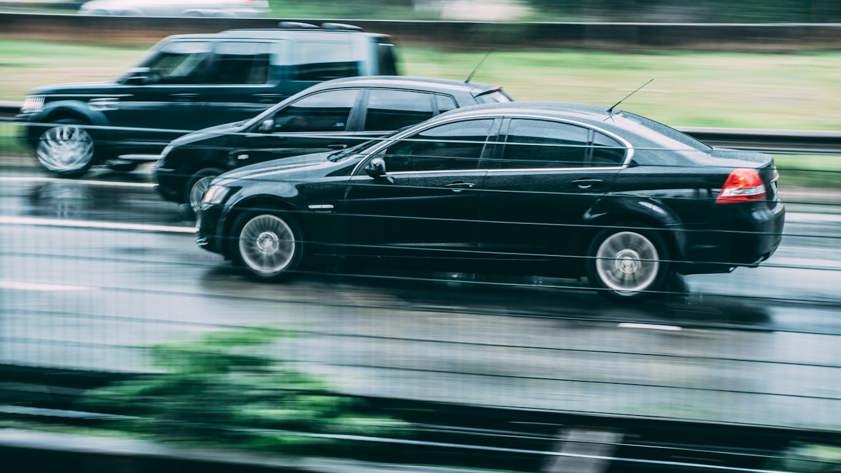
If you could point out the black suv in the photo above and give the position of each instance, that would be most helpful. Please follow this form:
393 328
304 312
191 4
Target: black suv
189 82
542 188
334 115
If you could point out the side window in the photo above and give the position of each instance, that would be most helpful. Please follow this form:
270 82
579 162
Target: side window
180 62
240 63
324 111
544 144
323 60
445 103
607 151
387 59
454 146
395 109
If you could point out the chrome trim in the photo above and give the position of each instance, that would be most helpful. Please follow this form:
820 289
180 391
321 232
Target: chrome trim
629 154
320 206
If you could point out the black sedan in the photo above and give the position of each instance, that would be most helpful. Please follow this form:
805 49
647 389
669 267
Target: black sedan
332 115
548 189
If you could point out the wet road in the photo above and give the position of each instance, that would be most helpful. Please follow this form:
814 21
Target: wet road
92 273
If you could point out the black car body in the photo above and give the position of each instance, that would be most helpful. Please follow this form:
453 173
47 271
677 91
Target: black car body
333 115
190 82
542 188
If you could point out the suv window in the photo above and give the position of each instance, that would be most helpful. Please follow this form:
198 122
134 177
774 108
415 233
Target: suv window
240 63
323 111
454 146
180 62
606 151
394 109
544 144
323 60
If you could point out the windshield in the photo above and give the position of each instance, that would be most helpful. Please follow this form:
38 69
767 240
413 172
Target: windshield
667 131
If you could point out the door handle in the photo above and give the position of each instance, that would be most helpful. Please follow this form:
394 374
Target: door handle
587 183
459 186
337 146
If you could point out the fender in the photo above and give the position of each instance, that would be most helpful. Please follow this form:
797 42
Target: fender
640 211
72 107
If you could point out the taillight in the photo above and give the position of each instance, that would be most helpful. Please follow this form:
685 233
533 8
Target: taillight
742 185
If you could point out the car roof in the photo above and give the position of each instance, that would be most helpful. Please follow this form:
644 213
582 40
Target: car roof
409 82
278 34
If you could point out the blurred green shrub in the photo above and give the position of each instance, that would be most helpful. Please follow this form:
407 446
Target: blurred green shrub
221 390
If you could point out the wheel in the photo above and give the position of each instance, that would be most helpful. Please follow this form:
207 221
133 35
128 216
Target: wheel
66 149
197 185
268 245
123 166
627 263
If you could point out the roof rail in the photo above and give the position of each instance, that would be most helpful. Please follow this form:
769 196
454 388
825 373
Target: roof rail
296 25
340 26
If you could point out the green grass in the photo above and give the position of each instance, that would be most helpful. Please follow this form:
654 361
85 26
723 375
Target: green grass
749 90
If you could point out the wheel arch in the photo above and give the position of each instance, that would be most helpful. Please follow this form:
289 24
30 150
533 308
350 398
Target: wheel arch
253 203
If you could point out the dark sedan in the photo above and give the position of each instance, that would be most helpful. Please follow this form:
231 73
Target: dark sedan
332 115
548 189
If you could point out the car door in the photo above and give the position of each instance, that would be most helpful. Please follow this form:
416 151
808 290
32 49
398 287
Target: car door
319 122
241 82
543 177
425 204
160 108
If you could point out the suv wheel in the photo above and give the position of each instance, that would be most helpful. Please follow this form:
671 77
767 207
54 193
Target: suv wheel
627 263
268 245
198 184
66 148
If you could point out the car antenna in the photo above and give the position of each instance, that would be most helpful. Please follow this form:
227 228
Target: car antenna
473 72
610 110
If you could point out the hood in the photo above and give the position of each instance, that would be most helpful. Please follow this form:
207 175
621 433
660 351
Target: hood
92 88
208 133
277 168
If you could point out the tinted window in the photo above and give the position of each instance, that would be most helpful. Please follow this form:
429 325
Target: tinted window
447 147
445 103
543 144
607 151
394 109
182 62
386 59
241 63
324 111
325 60
683 141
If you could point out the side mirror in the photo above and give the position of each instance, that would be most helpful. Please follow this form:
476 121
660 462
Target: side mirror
138 76
376 168
267 125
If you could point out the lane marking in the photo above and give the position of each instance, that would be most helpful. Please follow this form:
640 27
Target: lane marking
81 182
812 217
34 286
668 328
89 224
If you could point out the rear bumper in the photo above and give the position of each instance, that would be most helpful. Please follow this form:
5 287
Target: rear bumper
747 236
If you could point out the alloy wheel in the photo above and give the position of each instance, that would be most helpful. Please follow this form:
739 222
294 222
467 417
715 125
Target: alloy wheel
627 262
65 148
267 245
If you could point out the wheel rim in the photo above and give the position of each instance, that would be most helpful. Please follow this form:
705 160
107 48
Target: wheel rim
65 148
267 245
627 262
197 191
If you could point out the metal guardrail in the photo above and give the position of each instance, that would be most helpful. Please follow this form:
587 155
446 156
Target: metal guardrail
780 141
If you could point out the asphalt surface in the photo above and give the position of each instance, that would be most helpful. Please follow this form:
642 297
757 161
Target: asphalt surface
93 272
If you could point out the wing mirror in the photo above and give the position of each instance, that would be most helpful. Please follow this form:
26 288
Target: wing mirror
267 125
376 168
138 76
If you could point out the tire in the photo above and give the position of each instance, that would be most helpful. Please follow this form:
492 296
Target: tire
254 238
196 186
628 264
66 148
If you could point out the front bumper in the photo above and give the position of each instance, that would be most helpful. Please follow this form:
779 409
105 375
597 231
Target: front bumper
209 230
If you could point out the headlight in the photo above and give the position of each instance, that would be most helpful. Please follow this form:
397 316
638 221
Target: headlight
32 104
215 195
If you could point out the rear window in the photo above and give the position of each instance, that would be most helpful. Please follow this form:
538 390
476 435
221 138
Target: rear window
497 96
394 109
683 139
387 59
